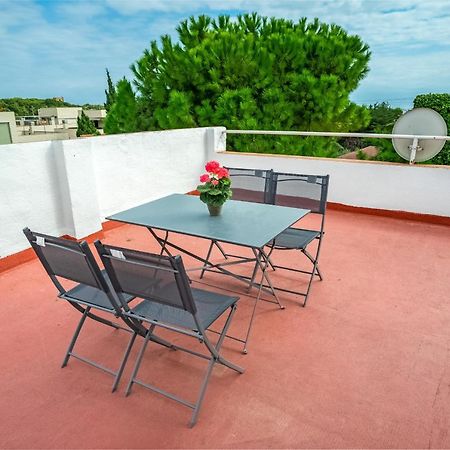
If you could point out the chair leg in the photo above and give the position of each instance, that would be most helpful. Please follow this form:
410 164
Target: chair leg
139 359
317 271
215 358
75 337
201 395
309 284
124 361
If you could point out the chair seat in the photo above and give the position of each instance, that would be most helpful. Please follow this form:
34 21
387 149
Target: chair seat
92 296
295 238
210 306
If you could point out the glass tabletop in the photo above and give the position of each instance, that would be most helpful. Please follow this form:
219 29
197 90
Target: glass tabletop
242 223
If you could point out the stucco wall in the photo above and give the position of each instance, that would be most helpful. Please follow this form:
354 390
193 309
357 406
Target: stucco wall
68 187
397 187
138 169
30 193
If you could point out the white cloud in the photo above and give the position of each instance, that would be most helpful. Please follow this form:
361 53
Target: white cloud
62 48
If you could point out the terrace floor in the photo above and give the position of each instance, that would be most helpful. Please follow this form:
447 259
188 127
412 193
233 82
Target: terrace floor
365 365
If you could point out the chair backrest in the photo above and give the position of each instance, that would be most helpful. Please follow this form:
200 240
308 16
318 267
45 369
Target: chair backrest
149 276
301 191
67 259
251 185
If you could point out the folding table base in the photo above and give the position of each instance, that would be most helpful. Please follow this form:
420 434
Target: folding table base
261 262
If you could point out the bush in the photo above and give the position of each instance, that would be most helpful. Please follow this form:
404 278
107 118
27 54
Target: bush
85 126
122 114
441 104
382 119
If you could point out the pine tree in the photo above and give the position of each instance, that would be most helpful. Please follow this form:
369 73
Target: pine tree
252 73
122 116
110 92
85 126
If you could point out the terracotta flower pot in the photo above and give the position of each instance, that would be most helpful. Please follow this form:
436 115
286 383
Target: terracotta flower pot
214 210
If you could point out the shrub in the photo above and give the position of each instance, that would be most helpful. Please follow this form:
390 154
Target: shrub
441 104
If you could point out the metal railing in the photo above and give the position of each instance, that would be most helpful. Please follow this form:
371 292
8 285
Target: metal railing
414 147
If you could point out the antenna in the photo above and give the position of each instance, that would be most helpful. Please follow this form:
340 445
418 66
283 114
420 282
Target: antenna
419 122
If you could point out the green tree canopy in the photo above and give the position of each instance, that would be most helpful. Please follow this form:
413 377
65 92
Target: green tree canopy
122 115
441 104
85 126
382 117
110 92
254 72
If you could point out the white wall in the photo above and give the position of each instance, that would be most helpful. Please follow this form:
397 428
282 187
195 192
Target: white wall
132 169
399 187
68 187
30 193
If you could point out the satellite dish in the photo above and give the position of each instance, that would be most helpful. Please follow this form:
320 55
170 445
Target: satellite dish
419 122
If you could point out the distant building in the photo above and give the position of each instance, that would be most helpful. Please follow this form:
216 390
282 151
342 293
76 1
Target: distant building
8 131
97 116
50 124
60 116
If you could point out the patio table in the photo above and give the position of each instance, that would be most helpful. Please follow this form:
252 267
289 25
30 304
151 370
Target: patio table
245 224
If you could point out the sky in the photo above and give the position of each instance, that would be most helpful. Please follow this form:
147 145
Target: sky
54 48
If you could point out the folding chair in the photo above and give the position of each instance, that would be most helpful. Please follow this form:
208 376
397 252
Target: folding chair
65 260
301 191
169 302
250 185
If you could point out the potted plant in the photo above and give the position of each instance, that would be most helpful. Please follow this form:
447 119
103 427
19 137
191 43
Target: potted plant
216 187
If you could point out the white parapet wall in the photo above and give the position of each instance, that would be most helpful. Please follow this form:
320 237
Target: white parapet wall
421 189
69 187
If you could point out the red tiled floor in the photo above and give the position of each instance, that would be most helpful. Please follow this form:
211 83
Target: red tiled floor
366 364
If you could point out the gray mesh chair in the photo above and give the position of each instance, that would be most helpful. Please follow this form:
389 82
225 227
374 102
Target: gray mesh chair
65 260
250 185
308 192
169 302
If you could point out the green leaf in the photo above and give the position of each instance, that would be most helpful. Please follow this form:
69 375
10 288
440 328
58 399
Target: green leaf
203 188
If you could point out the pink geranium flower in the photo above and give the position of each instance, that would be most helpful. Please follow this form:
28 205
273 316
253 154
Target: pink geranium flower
204 178
222 173
212 166
215 182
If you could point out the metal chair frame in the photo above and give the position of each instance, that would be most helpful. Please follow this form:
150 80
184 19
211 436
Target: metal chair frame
323 182
270 197
261 261
236 172
38 242
135 258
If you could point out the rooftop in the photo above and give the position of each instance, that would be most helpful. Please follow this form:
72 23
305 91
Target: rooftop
365 364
